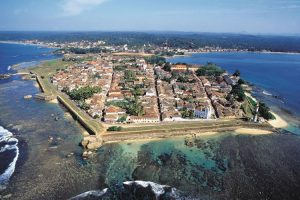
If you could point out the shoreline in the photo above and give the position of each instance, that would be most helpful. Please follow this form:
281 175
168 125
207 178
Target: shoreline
25 43
279 122
209 133
189 54
145 54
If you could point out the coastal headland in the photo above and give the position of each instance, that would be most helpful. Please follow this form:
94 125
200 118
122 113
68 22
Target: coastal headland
97 133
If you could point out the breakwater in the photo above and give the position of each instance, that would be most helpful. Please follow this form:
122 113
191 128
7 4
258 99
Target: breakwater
76 116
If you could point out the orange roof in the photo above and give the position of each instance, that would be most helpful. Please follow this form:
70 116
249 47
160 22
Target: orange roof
113 109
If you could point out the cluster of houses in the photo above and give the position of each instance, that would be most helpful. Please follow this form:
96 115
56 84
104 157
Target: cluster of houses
176 97
94 74
139 86
218 89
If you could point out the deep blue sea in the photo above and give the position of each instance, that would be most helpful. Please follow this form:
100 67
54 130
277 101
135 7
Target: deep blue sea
273 74
11 54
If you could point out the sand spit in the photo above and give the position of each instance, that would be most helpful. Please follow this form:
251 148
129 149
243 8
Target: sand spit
251 131
278 122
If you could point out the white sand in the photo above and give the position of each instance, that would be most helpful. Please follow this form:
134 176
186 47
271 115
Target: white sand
250 131
278 122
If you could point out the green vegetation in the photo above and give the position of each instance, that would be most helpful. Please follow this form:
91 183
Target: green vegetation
236 73
122 119
86 51
249 107
183 79
264 111
174 40
241 81
137 91
210 70
167 67
155 60
120 68
135 108
129 75
83 105
83 93
132 106
187 113
166 53
114 128
238 92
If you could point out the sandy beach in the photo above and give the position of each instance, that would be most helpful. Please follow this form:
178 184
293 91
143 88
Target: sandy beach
278 122
250 131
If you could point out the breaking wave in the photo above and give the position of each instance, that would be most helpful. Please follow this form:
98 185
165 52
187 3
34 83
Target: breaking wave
135 190
9 153
267 93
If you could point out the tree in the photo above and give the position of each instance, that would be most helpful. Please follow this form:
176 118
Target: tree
210 70
167 67
65 89
114 128
84 106
137 91
122 119
241 81
135 108
238 92
83 93
183 79
129 75
155 60
236 73
187 113
264 111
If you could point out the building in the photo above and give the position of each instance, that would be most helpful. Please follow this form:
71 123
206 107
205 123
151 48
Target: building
202 111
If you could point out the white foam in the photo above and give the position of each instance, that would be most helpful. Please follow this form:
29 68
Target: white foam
7 136
267 93
157 189
94 193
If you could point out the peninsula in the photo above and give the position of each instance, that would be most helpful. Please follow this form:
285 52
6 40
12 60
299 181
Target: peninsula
120 96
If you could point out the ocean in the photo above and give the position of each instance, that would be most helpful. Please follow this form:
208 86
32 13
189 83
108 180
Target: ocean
11 54
221 166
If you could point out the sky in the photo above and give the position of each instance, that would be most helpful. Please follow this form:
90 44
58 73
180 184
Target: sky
234 16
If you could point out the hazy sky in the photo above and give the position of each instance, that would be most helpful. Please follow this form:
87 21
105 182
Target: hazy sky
248 16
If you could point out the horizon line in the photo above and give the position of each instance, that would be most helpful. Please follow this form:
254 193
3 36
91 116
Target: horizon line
159 31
